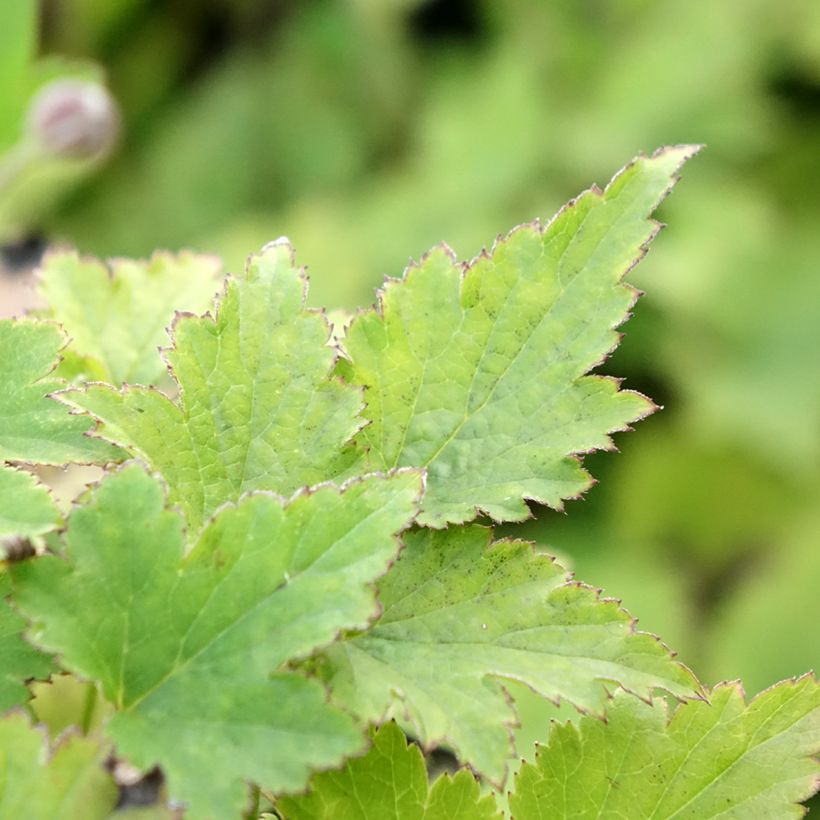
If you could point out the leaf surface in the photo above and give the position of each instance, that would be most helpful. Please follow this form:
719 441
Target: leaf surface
117 317
191 648
390 783
478 372
19 661
26 506
461 615
257 408
40 783
720 759
33 427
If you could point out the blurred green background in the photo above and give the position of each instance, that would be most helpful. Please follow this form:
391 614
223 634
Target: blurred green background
368 130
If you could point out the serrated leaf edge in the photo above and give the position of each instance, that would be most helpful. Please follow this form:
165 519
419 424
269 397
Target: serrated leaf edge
98 431
398 699
65 340
541 227
669 716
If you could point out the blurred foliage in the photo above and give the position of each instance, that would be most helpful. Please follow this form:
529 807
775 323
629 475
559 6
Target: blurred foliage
367 131
34 179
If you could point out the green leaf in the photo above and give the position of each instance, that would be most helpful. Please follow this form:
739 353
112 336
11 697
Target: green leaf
117 317
42 783
26 506
477 372
719 759
389 783
191 648
257 409
461 615
33 427
19 661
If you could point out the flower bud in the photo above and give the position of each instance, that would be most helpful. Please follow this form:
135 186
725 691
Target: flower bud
74 119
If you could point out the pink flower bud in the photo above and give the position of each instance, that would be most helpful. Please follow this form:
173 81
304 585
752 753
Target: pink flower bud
74 119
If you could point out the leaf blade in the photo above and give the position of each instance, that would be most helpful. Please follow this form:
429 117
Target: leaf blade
485 613
117 316
192 649
479 375
41 783
19 661
26 506
257 409
723 759
33 428
389 783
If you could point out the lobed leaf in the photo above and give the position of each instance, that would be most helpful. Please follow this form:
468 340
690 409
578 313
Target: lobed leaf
117 316
720 759
461 616
42 783
34 428
257 408
477 372
191 649
389 783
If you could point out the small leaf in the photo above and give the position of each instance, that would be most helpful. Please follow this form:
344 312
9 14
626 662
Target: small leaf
389 783
117 317
26 506
33 427
477 372
461 615
257 409
41 783
191 649
719 759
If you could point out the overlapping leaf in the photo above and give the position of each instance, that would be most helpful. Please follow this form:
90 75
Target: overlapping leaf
389 783
33 427
117 317
42 783
461 615
38 430
478 373
720 759
257 408
190 648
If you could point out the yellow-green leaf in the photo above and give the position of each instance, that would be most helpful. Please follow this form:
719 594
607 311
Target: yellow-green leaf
117 316
479 372
461 615
258 408
719 759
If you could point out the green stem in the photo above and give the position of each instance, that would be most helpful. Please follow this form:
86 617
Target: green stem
15 161
88 708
